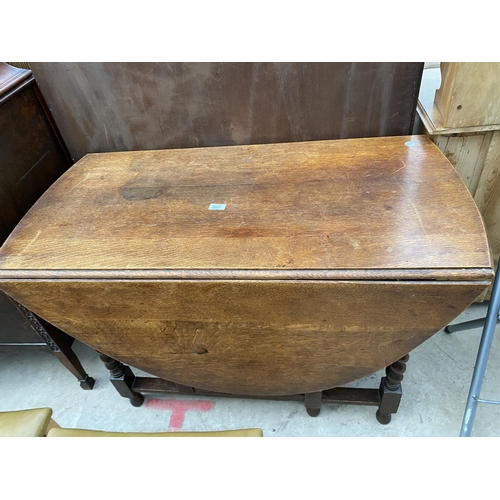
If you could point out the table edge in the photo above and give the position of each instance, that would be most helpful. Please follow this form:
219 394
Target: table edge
454 274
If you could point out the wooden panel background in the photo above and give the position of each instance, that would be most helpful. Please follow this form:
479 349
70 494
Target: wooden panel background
477 159
103 107
467 96
467 153
487 195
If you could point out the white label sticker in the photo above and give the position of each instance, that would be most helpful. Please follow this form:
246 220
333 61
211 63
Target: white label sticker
217 206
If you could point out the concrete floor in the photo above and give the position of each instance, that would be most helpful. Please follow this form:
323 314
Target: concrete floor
435 389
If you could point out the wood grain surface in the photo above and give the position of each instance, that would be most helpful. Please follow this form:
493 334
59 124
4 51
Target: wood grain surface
133 106
475 99
251 337
331 260
469 94
467 153
488 195
327 205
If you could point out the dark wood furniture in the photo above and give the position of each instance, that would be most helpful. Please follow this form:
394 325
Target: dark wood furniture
32 157
134 106
278 271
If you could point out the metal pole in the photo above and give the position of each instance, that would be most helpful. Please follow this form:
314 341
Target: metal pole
482 359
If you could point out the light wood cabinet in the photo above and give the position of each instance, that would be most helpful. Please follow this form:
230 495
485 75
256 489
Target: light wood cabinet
471 146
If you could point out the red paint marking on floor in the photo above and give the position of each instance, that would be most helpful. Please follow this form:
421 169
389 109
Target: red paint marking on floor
179 409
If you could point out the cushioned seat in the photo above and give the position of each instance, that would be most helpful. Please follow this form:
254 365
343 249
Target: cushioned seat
88 433
25 423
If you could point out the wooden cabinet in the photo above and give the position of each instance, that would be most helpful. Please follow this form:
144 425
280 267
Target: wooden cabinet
469 136
32 157
101 107
263 270
469 95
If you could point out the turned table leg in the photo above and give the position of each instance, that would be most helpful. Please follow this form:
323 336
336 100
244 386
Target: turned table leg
122 377
391 390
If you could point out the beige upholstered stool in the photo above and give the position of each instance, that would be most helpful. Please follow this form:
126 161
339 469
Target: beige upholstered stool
38 423
26 423
87 433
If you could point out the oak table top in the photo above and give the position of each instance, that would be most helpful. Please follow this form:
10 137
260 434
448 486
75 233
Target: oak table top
359 204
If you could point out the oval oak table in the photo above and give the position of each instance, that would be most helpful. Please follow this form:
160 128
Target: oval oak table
278 271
